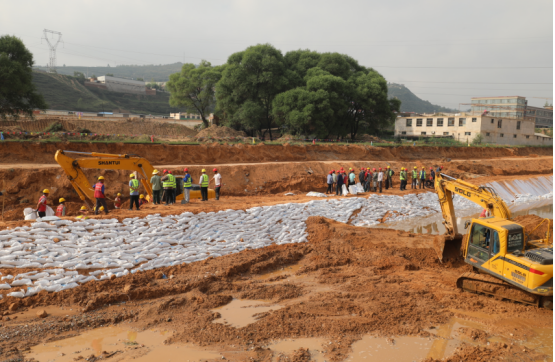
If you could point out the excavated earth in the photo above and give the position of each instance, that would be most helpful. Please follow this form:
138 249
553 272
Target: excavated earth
326 296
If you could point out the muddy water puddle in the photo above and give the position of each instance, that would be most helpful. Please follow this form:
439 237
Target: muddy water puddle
126 344
396 349
242 312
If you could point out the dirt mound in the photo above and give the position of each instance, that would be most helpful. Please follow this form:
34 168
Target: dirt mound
370 138
530 222
220 132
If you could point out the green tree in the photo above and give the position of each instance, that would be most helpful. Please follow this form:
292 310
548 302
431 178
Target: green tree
109 74
194 88
249 83
141 79
17 91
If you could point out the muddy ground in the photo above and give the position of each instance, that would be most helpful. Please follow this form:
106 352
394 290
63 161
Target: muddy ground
345 283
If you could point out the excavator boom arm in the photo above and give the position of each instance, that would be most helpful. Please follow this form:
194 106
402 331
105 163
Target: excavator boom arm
486 197
73 169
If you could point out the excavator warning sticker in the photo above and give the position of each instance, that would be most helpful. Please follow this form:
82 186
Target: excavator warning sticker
514 241
518 276
108 163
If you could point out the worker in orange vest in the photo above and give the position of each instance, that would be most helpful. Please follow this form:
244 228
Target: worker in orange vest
41 206
61 209
100 196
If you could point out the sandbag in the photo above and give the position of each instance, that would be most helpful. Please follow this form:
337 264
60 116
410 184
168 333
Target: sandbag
30 214
344 190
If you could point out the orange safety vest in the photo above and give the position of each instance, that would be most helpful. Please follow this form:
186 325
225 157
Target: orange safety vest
98 190
60 210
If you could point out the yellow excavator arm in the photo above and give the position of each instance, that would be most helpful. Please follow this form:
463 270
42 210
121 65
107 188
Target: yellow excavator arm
73 169
484 196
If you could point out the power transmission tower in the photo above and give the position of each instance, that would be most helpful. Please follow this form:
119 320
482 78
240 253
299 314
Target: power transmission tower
52 46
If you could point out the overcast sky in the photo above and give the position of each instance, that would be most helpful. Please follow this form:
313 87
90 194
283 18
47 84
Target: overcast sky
495 47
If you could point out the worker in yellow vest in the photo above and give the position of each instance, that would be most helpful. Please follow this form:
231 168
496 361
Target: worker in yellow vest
169 184
204 180
134 192
414 178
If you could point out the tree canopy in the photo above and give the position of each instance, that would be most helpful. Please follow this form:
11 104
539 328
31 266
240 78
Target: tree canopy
194 88
327 95
17 91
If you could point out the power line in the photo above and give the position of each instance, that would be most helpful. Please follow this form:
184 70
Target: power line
423 81
388 66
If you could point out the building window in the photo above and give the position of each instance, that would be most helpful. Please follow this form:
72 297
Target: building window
474 119
527 137
419 122
429 122
517 124
499 123
440 122
446 133
487 134
501 135
450 122
462 122
403 132
409 122
492 121
514 136
423 133
467 133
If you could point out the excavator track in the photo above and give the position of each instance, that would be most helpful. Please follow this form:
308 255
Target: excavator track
482 283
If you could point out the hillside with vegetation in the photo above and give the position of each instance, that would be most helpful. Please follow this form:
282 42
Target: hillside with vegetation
157 73
68 93
411 103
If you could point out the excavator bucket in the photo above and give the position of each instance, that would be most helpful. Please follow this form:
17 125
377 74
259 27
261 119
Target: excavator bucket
448 248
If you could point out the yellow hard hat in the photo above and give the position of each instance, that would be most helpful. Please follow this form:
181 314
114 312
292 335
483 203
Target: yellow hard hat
414 166
422 166
101 177
62 200
101 208
203 170
141 196
155 172
132 175
83 208
118 194
388 167
45 191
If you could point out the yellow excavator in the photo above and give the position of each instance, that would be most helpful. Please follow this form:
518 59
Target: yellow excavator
142 168
505 263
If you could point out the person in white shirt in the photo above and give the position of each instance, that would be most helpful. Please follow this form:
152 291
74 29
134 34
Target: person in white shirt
217 178
380 179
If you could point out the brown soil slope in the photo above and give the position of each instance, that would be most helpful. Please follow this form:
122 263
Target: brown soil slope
344 283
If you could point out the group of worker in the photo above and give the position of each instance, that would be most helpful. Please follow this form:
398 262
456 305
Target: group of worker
374 180
163 190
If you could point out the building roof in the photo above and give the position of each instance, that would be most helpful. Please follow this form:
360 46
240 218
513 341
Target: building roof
498 97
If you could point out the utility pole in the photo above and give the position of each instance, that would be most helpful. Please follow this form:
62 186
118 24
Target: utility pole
52 46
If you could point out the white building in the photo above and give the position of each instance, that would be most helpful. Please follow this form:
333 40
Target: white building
464 127
122 85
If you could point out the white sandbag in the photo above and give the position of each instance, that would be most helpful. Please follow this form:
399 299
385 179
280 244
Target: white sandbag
353 190
5 286
16 294
344 190
316 194
19 282
29 214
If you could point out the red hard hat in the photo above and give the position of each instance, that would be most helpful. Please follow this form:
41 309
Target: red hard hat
380 168
431 168
441 167
331 172
186 170
215 170
165 171
373 169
